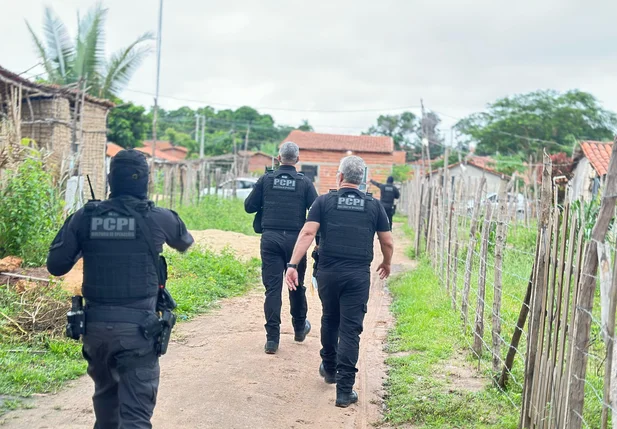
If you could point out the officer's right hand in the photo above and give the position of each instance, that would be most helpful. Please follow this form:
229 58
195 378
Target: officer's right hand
291 278
384 270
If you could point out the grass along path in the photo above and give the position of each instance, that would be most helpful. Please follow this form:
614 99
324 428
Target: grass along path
431 382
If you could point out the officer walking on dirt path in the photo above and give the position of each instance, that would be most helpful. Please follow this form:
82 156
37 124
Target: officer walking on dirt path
120 240
282 198
347 220
387 194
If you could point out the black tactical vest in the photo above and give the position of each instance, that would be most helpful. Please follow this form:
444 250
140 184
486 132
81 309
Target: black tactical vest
387 195
349 225
118 265
284 201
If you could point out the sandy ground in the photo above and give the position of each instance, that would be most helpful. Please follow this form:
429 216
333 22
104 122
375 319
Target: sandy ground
216 374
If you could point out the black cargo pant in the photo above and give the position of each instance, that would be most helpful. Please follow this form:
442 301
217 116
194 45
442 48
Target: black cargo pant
344 296
125 370
276 249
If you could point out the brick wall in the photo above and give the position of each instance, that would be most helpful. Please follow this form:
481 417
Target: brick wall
258 163
379 167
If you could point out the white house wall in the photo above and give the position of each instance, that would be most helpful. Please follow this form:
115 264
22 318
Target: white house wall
473 172
582 180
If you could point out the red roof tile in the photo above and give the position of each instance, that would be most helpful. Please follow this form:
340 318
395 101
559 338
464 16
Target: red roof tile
337 142
158 154
598 154
482 161
162 145
113 149
178 148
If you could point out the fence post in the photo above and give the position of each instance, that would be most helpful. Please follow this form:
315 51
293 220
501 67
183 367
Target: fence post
449 215
419 218
610 380
516 336
582 321
470 250
479 330
500 240
538 292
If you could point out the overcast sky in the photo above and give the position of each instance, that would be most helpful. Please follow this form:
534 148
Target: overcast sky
348 55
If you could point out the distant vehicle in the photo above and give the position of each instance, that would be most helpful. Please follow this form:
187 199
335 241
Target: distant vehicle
243 185
514 200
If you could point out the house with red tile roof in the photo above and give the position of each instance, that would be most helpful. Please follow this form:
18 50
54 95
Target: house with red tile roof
159 155
591 165
320 155
473 168
177 152
113 149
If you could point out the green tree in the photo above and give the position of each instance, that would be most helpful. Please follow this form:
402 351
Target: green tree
527 123
305 126
177 138
69 61
127 125
402 128
429 128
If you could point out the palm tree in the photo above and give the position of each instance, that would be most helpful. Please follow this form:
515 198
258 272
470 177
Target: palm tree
82 60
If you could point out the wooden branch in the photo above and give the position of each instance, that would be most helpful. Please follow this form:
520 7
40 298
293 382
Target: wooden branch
470 249
500 241
582 324
20 276
479 323
538 294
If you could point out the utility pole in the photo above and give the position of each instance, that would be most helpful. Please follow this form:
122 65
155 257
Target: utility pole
246 145
235 166
203 136
197 129
425 140
158 77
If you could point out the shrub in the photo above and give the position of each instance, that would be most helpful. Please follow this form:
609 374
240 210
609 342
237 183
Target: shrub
226 214
30 213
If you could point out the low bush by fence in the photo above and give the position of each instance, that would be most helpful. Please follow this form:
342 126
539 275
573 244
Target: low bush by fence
535 288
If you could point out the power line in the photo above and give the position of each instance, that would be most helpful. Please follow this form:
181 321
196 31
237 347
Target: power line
282 109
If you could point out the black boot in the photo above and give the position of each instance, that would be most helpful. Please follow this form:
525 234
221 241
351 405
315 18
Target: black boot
328 377
344 400
300 336
271 347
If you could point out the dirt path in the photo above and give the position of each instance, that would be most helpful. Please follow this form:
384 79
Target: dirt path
216 374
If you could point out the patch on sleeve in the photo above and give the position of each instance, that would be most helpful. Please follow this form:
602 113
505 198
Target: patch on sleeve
112 226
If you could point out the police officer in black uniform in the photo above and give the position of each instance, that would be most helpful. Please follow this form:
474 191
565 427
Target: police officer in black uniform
388 193
282 198
120 287
347 220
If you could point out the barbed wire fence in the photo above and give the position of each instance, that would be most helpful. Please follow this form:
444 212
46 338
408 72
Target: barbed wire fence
523 274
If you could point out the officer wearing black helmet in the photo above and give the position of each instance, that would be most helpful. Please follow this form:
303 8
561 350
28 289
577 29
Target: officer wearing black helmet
119 240
387 194
282 198
347 220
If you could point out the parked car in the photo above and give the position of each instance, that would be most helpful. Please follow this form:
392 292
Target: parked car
243 185
517 201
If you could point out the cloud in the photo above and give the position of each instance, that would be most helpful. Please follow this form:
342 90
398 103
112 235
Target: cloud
350 55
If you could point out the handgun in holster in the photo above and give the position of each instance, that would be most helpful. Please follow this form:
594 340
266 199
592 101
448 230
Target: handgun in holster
315 256
165 305
76 319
